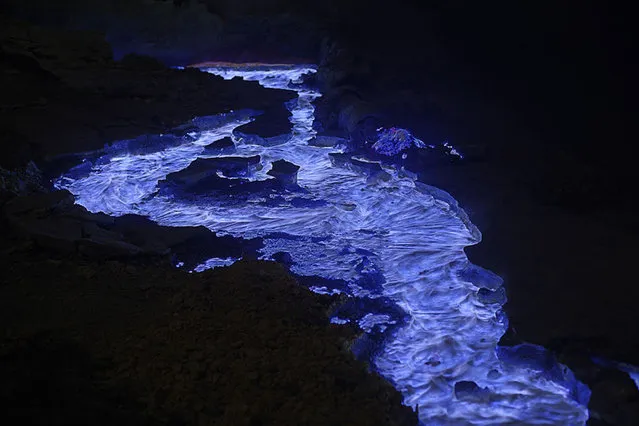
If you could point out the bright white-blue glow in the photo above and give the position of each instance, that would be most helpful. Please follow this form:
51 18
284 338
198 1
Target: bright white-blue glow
453 150
215 263
374 233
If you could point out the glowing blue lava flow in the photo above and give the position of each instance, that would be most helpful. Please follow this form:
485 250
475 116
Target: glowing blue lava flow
351 225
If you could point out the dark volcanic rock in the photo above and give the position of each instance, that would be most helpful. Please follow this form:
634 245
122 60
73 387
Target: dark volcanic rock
203 168
372 169
284 172
212 184
268 127
340 159
137 344
327 141
235 190
191 245
187 31
258 140
283 257
365 166
232 166
490 297
88 100
280 167
223 146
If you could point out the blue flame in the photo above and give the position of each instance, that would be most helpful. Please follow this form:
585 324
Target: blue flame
394 245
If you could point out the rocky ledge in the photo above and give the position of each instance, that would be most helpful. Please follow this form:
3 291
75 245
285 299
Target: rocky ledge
99 327
87 342
61 92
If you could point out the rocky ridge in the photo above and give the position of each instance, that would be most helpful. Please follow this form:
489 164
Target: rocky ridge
62 93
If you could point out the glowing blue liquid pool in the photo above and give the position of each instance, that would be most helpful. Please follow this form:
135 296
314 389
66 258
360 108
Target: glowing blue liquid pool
389 238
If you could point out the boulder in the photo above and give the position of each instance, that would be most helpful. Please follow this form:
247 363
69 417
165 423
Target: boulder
54 222
141 62
56 233
339 159
204 168
365 166
270 128
285 172
267 128
249 139
82 100
22 181
283 257
110 249
614 399
147 144
191 245
39 204
223 146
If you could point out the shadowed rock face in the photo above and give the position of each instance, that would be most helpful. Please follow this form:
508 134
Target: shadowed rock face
218 175
62 93
223 146
98 330
270 125
204 167
53 222
285 172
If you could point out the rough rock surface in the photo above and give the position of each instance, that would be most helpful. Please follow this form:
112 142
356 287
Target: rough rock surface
223 146
86 342
51 221
285 172
61 92
274 123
